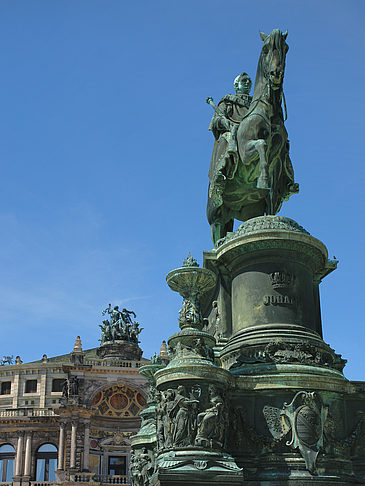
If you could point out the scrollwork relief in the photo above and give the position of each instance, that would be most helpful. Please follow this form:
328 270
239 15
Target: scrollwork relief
281 352
244 436
353 444
304 417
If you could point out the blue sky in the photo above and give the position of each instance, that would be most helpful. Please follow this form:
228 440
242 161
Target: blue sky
105 150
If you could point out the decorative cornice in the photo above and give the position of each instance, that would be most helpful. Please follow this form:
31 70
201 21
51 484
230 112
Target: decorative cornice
265 224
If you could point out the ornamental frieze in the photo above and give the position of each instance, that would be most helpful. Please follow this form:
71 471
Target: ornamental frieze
282 352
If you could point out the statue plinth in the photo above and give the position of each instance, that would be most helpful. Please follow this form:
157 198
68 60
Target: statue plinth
120 350
272 268
285 380
196 467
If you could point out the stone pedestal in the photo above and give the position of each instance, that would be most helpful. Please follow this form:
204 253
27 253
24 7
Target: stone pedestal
295 417
120 350
196 467
60 476
268 276
252 394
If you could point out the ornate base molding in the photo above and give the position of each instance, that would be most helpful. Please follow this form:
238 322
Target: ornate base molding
190 467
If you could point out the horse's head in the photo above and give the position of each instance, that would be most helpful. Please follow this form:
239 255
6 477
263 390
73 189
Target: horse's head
272 58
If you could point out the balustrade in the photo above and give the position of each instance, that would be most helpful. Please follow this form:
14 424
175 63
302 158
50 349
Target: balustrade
27 412
41 483
99 478
113 363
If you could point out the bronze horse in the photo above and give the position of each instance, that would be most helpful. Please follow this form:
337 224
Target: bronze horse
261 176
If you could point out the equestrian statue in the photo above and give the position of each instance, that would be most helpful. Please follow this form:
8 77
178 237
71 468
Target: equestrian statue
250 170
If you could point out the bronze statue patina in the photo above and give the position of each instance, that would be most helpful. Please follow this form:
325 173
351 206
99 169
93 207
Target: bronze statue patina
228 115
7 360
250 171
120 327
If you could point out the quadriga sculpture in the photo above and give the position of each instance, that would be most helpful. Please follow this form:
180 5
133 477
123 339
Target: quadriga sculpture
254 175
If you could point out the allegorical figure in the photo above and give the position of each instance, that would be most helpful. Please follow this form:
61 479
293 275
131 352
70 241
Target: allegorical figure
164 419
212 423
120 327
184 419
141 466
227 116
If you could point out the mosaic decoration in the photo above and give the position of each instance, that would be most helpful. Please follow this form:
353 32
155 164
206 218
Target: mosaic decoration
119 401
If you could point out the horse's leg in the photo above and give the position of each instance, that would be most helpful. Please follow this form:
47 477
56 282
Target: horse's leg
260 147
220 228
228 227
217 231
269 202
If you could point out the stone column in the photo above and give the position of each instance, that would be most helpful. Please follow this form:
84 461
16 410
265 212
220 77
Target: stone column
42 398
15 390
86 445
73 444
61 447
28 454
18 459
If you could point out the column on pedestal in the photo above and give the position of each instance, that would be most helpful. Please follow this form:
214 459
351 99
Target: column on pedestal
73 444
86 445
42 398
61 447
15 389
28 454
18 459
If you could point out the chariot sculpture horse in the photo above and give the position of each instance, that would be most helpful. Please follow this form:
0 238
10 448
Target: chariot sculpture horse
258 176
7 360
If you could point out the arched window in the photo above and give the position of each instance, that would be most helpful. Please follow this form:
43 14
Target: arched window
46 462
7 455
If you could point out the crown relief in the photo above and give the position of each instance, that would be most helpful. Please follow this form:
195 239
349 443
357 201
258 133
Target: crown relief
281 280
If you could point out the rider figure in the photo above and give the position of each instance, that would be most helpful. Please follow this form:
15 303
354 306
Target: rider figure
228 115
